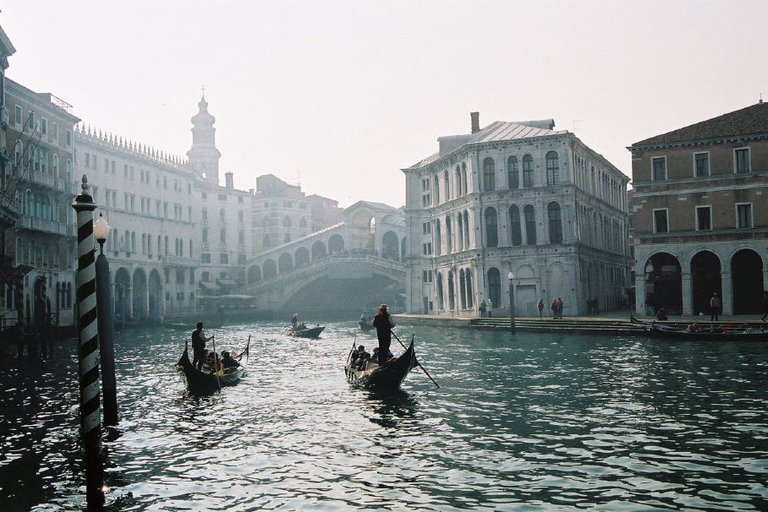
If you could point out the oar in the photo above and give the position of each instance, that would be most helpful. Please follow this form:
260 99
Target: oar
417 362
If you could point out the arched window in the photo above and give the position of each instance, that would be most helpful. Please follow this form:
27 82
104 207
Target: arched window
489 175
515 233
286 221
437 190
513 173
447 186
459 232
466 229
555 223
204 213
222 215
553 170
494 286
457 182
530 225
462 290
439 291
527 171
451 292
448 236
438 238
470 293
491 228
464 178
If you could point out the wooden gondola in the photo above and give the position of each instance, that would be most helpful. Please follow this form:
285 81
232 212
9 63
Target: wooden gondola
302 331
725 331
387 377
203 382
365 324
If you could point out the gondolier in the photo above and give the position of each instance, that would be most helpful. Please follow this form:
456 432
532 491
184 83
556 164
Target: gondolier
383 324
198 346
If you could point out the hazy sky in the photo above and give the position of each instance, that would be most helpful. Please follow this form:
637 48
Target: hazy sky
341 95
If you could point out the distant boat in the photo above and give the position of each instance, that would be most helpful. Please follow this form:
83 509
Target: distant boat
725 331
302 331
203 382
387 377
365 324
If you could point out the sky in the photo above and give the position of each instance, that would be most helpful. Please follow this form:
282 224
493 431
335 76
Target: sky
340 95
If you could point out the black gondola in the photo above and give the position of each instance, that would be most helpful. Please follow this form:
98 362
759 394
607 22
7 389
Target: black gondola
200 382
387 377
302 331
725 331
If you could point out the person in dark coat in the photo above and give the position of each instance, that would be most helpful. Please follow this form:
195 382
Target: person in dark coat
383 324
198 346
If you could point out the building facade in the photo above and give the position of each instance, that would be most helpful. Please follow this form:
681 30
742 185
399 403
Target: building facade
40 245
177 236
701 225
517 198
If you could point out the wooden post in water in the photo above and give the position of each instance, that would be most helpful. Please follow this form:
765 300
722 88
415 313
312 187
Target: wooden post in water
88 349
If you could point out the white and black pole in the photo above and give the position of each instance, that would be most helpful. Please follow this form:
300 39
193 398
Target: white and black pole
88 349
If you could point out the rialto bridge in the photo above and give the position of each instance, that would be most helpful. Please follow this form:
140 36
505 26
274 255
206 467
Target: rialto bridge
349 266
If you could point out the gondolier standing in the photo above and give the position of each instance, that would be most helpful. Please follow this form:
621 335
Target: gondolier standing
198 346
383 324
714 307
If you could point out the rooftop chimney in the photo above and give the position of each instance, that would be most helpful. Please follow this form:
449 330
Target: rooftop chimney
475 116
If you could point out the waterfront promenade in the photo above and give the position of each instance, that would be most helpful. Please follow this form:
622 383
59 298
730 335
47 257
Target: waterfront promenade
613 322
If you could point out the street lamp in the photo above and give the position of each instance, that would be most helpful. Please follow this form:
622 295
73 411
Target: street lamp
511 276
101 231
104 314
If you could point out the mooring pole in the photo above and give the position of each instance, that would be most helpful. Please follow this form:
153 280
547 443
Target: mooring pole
88 349
104 310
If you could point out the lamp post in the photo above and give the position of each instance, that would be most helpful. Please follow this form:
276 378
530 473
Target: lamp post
104 311
511 276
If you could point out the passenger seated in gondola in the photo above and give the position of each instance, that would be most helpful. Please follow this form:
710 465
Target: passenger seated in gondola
661 314
693 327
227 361
360 358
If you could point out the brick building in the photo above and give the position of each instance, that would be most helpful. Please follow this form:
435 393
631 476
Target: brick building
700 218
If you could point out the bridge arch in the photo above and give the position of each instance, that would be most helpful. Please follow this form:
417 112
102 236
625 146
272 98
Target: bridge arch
301 258
270 268
318 251
336 244
285 263
390 246
254 274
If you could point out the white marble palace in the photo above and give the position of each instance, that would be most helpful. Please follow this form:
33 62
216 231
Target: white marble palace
515 199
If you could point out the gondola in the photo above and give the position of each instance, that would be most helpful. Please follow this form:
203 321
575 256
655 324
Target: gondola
387 377
200 382
365 325
302 331
725 331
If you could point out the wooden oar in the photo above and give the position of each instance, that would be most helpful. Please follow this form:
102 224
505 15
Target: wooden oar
417 362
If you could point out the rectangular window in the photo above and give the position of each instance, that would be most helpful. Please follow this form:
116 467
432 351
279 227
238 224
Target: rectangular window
69 137
18 115
55 133
44 126
701 164
660 222
741 157
703 218
744 215
659 168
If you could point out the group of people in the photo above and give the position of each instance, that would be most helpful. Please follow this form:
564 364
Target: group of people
203 357
557 308
486 307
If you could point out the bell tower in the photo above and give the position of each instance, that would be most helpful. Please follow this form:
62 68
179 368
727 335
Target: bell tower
203 156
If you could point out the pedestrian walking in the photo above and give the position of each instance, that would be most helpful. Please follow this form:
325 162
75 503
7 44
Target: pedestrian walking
714 307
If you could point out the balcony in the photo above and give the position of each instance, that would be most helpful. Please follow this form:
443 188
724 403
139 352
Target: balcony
45 225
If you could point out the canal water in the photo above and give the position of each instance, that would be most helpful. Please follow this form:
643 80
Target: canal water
528 422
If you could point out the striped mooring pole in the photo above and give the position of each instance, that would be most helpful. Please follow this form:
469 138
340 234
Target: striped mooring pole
88 349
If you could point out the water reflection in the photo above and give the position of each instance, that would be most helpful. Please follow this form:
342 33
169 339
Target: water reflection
522 422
